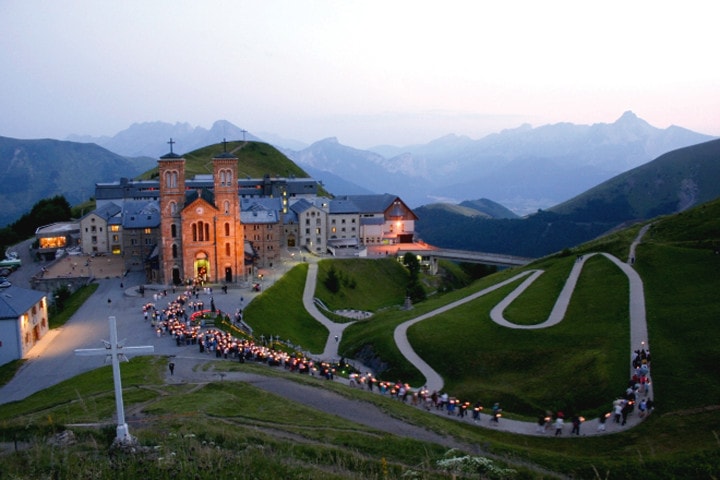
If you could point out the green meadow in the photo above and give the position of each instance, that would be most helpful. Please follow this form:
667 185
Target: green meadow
234 430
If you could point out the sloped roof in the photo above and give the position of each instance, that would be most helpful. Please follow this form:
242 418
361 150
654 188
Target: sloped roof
107 211
343 205
204 193
371 203
258 213
300 206
141 214
15 301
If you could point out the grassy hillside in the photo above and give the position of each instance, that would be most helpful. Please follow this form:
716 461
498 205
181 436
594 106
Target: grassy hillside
673 182
255 159
581 364
33 170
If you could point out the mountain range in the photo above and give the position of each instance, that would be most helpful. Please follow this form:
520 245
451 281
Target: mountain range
669 184
523 169
32 170
579 180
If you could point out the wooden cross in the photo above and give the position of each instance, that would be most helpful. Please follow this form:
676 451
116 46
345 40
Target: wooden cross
115 351
171 144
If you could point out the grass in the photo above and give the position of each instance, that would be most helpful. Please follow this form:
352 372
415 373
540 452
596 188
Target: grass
369 285
530 371
75 301
579 364
279 311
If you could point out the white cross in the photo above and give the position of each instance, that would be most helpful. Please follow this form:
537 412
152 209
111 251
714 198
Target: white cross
115 351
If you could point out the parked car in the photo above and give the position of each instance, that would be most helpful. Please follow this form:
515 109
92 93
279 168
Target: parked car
4 282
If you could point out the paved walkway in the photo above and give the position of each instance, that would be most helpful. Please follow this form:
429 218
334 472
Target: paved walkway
638 329
53 360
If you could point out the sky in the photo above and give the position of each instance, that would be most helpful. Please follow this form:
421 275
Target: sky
367 72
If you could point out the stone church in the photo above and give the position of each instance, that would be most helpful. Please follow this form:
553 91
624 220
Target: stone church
202 239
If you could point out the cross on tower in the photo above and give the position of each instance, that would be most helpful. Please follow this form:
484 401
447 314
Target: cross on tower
171 144
224 145
116 351
243 132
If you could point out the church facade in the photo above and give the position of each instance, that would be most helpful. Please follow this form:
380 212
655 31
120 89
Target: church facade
201 237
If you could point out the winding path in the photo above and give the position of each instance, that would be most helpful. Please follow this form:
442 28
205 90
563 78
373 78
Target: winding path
434 381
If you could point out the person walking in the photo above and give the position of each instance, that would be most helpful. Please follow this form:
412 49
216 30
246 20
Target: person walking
575 425
171 366
559 423
496 410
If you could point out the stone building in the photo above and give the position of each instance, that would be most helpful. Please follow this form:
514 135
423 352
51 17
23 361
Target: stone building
202 239
23 321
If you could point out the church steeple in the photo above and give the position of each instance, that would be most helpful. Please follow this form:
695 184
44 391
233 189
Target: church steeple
171 170
231 234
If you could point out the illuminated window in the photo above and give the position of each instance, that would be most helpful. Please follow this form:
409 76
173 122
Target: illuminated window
114 228
148 231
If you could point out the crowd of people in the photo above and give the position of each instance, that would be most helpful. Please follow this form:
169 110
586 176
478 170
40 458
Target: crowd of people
183 320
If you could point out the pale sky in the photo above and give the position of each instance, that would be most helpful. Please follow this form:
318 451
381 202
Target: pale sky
368 72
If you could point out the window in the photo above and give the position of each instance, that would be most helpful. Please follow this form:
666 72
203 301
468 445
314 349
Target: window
115 238
227 229
201 232
171 179
227 249
174 251
173 208
114 228
227 207
173 230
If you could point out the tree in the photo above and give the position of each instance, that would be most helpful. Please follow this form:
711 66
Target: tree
415 290
332 281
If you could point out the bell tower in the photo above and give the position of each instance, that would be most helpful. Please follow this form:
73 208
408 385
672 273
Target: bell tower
171 168
230 244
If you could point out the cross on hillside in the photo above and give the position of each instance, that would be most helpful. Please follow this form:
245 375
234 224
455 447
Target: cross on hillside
115 351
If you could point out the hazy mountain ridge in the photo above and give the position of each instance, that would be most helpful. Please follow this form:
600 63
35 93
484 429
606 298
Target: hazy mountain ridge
521 168
669 184
150 138
37 169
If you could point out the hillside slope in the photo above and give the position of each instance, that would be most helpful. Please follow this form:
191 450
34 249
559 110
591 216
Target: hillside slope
36 169
255 160
671 183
